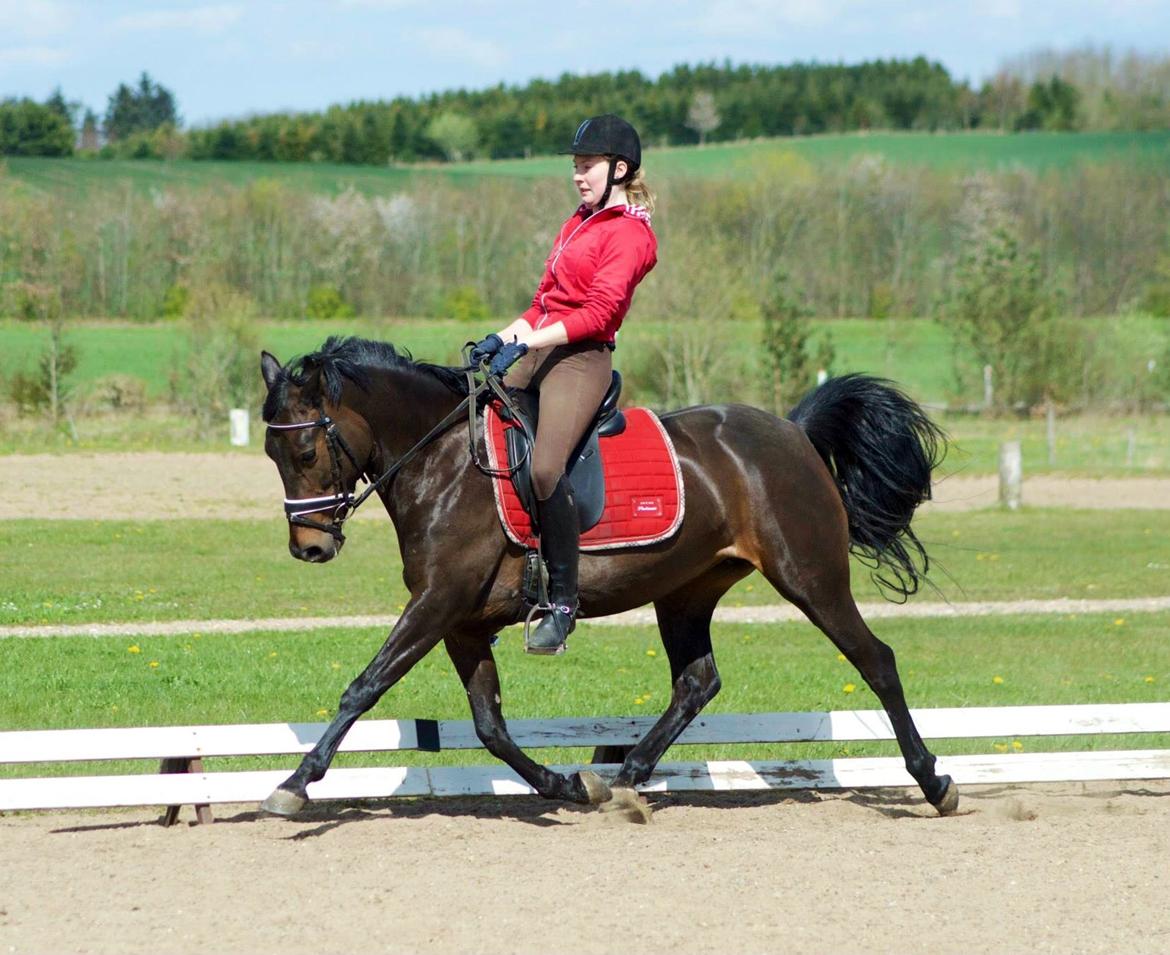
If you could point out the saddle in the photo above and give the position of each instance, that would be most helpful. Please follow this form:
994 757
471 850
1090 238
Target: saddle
584 472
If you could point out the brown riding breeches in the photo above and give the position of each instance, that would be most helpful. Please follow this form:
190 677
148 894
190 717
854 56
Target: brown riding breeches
572 380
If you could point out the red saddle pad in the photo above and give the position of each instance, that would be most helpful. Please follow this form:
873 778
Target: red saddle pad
643 485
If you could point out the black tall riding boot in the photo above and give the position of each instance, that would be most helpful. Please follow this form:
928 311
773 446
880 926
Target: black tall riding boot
560 538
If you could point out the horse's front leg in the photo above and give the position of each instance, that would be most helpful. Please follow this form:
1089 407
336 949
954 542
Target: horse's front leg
476 666
419 628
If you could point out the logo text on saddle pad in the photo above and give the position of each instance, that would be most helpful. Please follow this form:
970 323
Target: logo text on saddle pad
647 506
644 500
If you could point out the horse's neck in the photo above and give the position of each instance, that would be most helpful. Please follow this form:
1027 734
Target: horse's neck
401 409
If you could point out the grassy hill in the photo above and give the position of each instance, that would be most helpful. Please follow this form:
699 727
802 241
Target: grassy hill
959 151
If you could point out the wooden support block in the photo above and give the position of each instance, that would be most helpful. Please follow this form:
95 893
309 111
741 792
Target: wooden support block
185 764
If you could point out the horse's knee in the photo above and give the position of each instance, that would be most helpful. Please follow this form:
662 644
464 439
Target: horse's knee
697 687
491 732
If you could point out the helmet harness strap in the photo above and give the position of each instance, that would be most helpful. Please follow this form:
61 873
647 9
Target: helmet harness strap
611 180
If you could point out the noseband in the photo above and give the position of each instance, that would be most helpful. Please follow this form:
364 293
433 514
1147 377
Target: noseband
341 503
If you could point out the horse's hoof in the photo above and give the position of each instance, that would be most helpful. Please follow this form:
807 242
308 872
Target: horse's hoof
949 803
627 804
595 787
282 802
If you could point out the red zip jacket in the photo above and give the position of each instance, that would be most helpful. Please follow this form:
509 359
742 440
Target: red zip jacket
591 273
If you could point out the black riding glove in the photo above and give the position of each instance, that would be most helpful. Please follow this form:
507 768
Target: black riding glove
506 357
485 348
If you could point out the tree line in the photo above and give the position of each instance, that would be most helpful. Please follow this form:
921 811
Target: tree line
1085 89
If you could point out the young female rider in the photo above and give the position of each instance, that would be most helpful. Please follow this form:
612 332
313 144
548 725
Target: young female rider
563 343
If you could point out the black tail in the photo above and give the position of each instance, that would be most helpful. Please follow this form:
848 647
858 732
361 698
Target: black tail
881 448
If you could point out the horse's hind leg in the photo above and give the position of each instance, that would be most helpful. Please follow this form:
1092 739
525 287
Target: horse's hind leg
476 666
830 605
684 620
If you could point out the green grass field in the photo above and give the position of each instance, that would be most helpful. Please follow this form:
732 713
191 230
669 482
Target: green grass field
265 677
913 352
737 160
89 571
70 572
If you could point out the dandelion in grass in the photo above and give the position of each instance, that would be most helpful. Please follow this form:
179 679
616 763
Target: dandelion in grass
1119 622
322 712
154 664
272 655
849 688
1001 747
335 665
651 653
997 680
841 658
1017 745
134 648
638 701
1148 679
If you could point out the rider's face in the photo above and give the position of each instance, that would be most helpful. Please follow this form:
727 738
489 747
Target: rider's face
590 174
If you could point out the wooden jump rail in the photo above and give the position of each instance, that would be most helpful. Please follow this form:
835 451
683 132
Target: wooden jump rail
184 781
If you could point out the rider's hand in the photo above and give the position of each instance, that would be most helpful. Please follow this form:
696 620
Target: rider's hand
485 348
506 357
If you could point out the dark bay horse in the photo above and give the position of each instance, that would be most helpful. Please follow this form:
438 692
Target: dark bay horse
788 498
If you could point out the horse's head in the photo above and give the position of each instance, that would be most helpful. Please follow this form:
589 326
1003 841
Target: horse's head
320 447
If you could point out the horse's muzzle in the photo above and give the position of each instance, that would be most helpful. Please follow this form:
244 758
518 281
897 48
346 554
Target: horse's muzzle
319 552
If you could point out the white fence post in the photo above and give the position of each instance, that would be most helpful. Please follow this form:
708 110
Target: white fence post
988 387
238 417
1011 474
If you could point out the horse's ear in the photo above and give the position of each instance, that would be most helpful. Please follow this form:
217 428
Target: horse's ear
269 367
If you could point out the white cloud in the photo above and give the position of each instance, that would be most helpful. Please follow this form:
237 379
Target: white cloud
753 17
379 4
456 44
33 18
33 56
206 20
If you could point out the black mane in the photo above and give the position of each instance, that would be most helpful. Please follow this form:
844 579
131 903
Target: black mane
352 358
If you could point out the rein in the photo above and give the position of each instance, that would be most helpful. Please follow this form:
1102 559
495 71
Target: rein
343 503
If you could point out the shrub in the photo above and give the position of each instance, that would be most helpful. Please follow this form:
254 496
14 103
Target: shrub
325 301
48 387
999 308
117 392
175 302
790 362
465 304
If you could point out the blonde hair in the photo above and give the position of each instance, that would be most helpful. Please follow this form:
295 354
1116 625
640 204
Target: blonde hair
638 192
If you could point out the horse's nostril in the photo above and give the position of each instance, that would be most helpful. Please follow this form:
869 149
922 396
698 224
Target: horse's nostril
313 554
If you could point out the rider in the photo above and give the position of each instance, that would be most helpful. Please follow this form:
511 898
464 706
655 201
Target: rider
564 341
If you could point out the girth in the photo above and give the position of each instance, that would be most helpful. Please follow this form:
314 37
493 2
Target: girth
584 470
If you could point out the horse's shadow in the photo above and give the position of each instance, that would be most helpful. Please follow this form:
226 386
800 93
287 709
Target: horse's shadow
319 818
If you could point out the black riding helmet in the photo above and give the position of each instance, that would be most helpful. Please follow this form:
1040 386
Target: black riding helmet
608 135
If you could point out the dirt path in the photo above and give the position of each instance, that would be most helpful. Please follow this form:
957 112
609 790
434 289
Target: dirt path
151 485
1072 868
643 616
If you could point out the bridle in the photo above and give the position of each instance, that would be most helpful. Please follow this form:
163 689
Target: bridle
343 502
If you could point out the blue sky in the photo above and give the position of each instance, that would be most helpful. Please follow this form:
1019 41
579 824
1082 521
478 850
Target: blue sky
245 56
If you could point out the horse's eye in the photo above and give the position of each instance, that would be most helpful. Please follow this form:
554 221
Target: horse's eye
308 457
